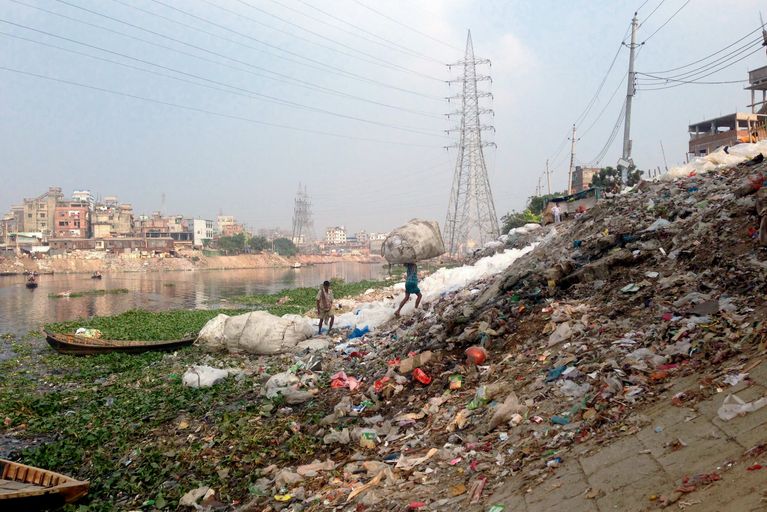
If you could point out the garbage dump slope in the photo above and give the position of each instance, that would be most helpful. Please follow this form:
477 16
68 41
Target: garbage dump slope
612 348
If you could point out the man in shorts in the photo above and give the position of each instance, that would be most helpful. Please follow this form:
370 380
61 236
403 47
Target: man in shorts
325 306
411 286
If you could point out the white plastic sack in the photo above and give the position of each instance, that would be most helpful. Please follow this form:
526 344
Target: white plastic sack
717 160
203 376
734 406
257 332
417 240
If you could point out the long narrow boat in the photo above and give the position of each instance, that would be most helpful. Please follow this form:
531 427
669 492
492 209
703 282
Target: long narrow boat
83 346
26 488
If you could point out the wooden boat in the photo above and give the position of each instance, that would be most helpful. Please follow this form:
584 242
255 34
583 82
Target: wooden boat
31 284
26 488
82 345
96 276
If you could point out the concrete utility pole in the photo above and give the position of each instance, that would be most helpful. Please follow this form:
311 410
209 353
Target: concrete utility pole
572 161
548 176
538 189
626 156
665 163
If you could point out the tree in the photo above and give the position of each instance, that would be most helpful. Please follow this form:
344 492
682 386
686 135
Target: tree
232 244
285 247
518 219
609 178
258 243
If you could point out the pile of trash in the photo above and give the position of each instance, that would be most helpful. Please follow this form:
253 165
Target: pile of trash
513 361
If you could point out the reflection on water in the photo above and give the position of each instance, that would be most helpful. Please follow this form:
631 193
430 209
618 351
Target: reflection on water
22 310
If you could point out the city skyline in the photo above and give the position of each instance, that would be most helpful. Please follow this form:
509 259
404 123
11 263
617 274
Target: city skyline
548 59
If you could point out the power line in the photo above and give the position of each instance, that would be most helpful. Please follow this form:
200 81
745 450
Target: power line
391 44
376 60
591 103
609 102
164 36
707 56
667 21
237 90
716 62
408 26
201 110
612 137
283 78
697 80
651 13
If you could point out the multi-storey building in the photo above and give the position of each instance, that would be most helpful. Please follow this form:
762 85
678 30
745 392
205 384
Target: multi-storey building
335 235
39 212
110 219
72 219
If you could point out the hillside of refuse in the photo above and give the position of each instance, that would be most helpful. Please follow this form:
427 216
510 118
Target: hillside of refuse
506 375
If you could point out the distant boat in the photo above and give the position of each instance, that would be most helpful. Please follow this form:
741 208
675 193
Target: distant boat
296 265
25 488
96 275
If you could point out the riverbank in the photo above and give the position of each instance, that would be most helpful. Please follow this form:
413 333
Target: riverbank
92 261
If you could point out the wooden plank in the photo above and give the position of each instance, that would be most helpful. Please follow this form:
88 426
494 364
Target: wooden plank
8 486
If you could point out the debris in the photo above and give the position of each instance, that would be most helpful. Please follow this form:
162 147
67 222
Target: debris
203 376
476 355
341 380
734 406
416 361
191 498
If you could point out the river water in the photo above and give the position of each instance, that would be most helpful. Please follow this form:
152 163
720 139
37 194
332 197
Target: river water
23 310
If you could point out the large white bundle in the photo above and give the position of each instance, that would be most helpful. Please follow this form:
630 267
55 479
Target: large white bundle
255 333
417 240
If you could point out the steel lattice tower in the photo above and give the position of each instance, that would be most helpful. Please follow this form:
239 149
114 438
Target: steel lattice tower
471 212
302 217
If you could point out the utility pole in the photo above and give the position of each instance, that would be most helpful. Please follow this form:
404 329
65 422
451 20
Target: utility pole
626 156
665 163
572 161
538 189
548 177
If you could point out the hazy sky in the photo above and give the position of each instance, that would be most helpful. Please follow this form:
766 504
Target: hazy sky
282 114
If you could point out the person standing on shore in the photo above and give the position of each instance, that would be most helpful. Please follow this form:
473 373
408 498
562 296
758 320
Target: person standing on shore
411 286
557 213
325 306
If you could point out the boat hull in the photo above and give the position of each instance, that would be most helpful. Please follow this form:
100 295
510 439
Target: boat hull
25 488
82 346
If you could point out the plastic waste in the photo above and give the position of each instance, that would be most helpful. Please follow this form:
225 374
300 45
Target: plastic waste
358 333
456 382
203 376
421 376
562 333
734 406
573 390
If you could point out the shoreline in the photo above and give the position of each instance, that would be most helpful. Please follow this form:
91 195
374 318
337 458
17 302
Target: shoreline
81 264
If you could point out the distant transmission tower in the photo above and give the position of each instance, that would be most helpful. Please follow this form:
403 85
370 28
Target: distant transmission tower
302 217
471 213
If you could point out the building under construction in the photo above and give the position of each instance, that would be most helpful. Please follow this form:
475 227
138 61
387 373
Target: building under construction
707 136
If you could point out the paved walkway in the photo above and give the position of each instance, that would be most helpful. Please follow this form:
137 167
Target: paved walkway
632 472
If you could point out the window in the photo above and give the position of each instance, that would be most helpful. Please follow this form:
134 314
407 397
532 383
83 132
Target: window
62 223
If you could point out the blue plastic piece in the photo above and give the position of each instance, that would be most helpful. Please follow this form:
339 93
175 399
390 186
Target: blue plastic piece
358 333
